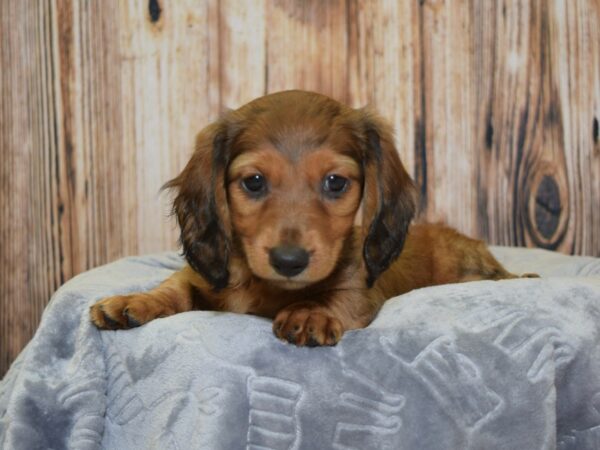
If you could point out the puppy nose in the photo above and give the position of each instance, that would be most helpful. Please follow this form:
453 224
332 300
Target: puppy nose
288 260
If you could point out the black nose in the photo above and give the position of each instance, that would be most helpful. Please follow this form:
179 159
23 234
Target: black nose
287 260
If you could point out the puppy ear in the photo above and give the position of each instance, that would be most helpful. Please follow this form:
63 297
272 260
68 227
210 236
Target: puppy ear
389 200
200 206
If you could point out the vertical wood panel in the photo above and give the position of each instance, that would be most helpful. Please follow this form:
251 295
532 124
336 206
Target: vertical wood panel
574 40
509 82
383 69
307 47
243 65
450 156
532 101
90 153
167 74
30 254
496 106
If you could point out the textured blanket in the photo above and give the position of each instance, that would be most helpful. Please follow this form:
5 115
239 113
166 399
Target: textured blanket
485 365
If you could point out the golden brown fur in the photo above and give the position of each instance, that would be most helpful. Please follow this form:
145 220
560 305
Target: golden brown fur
299 148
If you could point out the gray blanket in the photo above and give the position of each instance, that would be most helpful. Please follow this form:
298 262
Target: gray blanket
483 365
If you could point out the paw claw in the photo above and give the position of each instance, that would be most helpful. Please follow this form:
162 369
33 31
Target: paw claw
131 322
109 321
291 337
312 342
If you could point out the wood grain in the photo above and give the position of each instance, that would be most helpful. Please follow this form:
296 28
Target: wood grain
307 47
496 107
30 252
384 66
534 106
449 155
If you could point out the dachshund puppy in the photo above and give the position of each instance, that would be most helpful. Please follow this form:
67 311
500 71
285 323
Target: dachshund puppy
297 208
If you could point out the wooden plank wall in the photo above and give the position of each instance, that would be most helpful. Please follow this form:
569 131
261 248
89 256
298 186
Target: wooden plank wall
496 106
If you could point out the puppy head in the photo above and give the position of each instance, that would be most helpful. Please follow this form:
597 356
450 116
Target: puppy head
280 181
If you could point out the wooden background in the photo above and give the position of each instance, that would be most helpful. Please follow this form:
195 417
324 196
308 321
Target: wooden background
496 105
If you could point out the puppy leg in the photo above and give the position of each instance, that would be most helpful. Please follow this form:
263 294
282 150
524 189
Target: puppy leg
172 296
478 263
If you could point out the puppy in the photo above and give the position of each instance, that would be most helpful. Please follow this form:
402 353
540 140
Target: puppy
297 208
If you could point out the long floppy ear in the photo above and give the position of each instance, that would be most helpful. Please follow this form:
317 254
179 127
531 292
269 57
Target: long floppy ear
200 206
389 200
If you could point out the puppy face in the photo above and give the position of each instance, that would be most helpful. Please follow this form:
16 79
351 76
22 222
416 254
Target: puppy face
279 182
293 215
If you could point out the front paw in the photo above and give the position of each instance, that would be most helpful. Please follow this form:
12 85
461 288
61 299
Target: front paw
307 324
127 311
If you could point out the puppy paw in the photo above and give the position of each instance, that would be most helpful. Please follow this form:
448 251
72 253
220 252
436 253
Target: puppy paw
307 324
127 311
530 275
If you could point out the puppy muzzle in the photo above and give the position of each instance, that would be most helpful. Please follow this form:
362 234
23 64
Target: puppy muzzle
288 261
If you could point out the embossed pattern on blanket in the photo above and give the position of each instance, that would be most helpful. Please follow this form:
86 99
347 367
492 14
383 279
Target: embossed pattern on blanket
486 365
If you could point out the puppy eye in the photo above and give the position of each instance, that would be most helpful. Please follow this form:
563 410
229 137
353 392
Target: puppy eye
335 185
255 185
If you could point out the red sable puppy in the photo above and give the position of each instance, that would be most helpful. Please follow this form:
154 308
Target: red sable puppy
268 207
